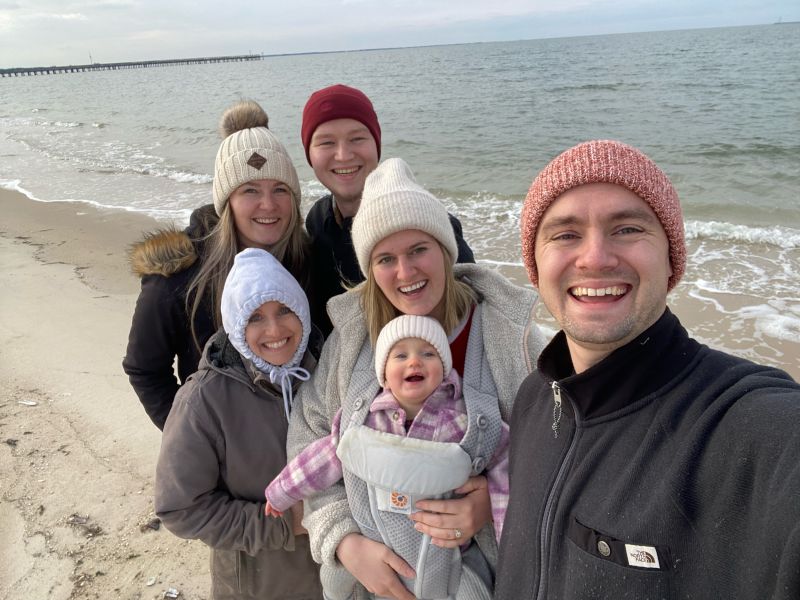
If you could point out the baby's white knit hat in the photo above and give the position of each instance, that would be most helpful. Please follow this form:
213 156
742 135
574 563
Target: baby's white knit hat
393 201
411 326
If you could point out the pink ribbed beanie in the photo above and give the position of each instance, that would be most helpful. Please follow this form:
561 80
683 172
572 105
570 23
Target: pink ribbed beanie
604 161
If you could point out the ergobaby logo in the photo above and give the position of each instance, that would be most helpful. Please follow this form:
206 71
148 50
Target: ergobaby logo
398 501
642 556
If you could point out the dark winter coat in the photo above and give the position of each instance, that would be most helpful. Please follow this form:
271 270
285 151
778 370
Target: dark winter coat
689 456
167 261
224 441
334 262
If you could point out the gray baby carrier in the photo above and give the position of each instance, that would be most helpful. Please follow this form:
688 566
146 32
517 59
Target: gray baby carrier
384 475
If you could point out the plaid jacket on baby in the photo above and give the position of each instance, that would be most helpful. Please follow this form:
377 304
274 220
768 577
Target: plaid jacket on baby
442 418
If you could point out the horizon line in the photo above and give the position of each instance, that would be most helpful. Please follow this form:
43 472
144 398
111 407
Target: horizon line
380 49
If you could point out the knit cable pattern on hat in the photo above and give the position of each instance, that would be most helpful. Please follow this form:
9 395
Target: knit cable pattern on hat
249 155
393 201
604 161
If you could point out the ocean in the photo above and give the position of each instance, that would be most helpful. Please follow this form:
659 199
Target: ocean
717 109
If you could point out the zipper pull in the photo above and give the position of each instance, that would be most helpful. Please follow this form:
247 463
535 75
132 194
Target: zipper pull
556 408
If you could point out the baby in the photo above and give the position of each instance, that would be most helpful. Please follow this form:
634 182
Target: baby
406 450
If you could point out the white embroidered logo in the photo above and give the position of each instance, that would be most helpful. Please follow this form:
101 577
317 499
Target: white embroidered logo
642 556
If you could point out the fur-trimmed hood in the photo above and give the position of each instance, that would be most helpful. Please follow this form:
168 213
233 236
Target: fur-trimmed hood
167 250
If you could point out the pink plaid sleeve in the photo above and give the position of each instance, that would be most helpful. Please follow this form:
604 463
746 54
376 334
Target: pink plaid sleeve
497 478
316 468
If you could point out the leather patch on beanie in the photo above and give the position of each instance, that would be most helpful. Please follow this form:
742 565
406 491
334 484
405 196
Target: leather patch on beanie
256 160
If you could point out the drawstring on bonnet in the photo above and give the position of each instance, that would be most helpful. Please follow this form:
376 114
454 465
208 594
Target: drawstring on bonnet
285 376
255 278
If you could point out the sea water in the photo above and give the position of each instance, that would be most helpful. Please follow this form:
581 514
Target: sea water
717 109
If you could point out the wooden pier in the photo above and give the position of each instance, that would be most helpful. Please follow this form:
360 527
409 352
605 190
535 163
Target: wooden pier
145 64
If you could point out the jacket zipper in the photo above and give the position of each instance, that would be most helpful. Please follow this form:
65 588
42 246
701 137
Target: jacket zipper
556 408
550 505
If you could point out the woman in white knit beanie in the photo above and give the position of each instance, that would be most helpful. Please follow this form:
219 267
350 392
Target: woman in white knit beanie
406 248
256 204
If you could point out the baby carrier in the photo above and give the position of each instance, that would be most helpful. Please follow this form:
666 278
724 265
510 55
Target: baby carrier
384 475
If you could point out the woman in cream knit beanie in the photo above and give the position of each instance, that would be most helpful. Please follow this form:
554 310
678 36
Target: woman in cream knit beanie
393 201
248 152
405 245
250 155
183 272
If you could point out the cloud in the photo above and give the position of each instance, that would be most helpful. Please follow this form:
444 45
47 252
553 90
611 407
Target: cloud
64 31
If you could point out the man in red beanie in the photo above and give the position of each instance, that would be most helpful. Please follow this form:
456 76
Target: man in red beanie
643 464
342 139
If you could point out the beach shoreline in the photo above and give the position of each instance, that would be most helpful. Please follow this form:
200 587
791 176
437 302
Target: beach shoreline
78 451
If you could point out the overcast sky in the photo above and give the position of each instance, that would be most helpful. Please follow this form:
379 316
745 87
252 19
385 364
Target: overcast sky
62 32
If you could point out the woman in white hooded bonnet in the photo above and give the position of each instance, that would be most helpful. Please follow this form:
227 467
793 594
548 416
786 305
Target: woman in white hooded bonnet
225 437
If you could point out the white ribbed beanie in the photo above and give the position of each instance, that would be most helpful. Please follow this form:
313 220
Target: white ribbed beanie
411 326
251 154
393 201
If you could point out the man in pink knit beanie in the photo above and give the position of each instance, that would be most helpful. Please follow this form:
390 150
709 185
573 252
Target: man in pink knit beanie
643 464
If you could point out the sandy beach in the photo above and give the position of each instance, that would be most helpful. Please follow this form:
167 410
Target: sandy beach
78 452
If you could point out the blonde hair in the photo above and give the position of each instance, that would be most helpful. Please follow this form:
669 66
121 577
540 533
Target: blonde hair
378 311
221 244
219 249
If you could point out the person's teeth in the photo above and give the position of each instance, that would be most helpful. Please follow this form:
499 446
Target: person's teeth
345 171
265 220
616 290
412 287
276 345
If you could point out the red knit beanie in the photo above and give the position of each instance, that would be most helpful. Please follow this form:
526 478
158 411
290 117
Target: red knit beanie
338 102
604 161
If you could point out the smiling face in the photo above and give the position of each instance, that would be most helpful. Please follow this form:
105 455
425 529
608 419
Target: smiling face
342 153
603 263
262 212
413 371
273 333
408 267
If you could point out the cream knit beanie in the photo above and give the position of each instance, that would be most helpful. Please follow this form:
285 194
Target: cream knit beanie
411 326
393 201
604 161
248 154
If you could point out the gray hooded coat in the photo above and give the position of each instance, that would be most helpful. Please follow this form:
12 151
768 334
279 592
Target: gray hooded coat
224 441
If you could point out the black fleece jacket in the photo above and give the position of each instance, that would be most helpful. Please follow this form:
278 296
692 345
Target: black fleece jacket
667 470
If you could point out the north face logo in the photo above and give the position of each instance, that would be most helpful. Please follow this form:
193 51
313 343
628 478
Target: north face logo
256 160
645 557
642 556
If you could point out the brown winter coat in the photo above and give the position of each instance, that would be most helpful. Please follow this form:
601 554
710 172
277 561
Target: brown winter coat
224 441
